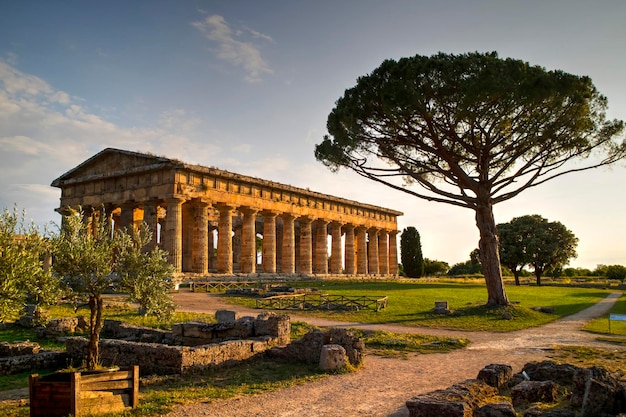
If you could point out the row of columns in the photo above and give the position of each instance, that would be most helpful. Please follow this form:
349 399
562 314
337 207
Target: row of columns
365 251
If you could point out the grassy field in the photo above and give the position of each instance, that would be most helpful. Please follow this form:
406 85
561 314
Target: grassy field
411 304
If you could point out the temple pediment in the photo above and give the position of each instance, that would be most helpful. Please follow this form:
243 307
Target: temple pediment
112 162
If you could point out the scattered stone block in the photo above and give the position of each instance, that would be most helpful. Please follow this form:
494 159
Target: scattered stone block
535 411
459 400
501 409
496 375
333 358
225 316
563 374
597 391
441 307
534 391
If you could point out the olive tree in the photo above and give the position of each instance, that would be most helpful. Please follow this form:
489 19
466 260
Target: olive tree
145 275
470 130
89 254
23 275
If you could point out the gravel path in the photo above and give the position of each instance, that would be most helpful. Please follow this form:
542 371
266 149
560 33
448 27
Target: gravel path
383 385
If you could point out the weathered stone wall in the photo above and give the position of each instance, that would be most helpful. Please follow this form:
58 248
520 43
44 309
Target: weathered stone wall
26 356
115 329
203 345
267 324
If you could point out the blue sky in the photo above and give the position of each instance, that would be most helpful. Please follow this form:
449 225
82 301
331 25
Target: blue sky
246 86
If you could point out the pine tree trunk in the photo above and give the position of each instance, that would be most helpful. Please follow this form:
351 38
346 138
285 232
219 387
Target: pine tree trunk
490 256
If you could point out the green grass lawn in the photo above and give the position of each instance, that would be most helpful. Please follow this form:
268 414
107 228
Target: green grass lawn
617 328
411 304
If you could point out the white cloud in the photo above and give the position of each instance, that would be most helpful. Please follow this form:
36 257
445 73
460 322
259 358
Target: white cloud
237 52
44 133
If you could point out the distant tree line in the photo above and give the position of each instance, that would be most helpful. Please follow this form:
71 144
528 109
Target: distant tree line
529 241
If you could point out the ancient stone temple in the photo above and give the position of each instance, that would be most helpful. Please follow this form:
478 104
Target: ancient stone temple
209 220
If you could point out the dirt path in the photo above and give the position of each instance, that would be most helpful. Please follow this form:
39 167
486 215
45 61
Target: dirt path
383 385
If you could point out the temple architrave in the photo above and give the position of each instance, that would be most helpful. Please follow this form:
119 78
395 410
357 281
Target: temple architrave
208 220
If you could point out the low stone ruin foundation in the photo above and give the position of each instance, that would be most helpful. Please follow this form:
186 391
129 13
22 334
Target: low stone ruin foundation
188 347
534 392
25 356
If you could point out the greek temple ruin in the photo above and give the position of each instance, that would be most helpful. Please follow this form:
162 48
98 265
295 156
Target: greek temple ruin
209 220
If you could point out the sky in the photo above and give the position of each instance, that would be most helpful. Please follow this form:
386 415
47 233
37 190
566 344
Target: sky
246 86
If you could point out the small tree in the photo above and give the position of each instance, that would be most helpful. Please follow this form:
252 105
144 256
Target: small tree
512 249
23 277
87 255
411 253
535 241
145 276
84 258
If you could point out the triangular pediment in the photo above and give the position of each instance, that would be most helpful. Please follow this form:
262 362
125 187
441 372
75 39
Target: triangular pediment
112 162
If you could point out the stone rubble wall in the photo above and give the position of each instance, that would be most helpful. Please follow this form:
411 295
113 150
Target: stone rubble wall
309 347
115 329
194 346
26 356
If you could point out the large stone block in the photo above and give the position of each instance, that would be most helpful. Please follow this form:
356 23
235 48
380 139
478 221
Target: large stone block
534 391
501 409
459 400
496 375
333 358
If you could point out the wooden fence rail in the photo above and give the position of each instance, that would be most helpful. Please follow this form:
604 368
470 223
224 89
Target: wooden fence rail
321 302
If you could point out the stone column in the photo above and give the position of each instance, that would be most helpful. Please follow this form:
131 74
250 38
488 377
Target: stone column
200 239
306 254
127 216
372 249
321 247
335 251
248 240
288 264
269 242
393 252
383 252
150 218
212 251
349 254
361 250
173 233
225 239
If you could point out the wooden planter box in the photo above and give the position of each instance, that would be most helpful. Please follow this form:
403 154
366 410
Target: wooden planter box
83 393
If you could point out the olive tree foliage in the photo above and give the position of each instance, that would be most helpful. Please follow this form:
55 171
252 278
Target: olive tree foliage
145 276
411 253
87 256
23 277
533 240
470 130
